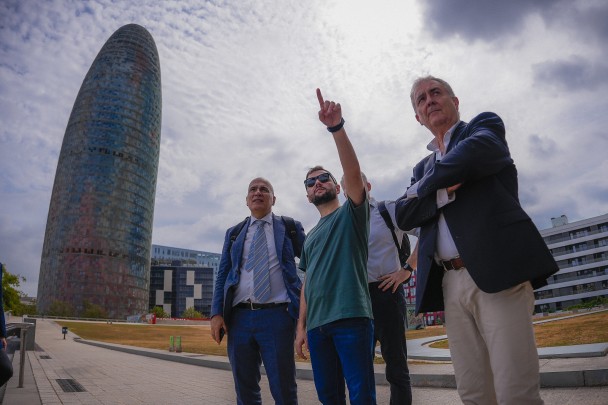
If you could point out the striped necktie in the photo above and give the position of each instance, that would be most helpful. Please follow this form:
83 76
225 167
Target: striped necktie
258 263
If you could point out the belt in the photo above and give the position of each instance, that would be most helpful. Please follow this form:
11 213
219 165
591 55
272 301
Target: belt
453 264
255 305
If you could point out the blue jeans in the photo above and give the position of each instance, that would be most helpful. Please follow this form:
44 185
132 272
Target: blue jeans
389 329
263 335
341 350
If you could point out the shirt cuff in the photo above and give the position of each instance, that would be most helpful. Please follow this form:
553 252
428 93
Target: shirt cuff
412 192
443 198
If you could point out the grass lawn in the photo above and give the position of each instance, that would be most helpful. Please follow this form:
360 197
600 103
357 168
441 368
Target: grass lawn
584 329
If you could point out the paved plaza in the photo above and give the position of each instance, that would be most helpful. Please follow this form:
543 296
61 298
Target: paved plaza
109 376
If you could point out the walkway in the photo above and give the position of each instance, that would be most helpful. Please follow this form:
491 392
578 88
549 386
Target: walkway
120 377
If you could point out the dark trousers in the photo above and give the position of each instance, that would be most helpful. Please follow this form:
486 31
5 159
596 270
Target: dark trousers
6 367
389 329
263 335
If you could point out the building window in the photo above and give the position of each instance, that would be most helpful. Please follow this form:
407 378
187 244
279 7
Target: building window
579 247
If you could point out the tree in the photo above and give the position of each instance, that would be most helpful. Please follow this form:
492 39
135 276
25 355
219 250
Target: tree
191 313
11 296
93 311
160 312
26 309
61 308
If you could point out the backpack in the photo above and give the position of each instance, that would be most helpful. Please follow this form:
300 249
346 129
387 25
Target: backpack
404 248
290 227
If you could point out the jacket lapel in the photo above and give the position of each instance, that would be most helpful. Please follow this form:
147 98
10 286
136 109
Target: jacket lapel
239 244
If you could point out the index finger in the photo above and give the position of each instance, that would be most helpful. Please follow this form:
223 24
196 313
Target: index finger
320 97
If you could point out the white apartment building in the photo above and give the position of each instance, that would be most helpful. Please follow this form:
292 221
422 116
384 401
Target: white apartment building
581 251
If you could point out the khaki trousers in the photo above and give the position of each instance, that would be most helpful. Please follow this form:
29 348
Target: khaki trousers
491 342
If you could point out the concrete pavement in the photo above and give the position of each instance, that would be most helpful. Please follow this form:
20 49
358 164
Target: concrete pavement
129 375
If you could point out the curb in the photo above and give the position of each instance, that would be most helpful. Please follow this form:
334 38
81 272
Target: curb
560 379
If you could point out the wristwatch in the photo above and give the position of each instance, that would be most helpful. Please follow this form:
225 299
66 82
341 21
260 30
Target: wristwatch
407 266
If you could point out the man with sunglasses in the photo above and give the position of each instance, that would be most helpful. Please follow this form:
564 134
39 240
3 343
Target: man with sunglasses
256 298
336 320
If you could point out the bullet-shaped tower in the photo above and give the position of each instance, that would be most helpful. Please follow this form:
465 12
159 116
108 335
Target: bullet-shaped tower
99 227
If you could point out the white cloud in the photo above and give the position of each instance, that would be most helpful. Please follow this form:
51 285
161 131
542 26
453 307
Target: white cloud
238 83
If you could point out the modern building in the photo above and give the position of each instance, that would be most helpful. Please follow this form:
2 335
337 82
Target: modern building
581 251
99 226
182 278
188 257
176 288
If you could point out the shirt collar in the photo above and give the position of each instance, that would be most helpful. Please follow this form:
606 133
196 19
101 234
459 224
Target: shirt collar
267 218
434 147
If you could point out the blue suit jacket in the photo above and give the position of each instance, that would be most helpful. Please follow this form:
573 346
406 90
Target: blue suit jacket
497 240
2 320
228 274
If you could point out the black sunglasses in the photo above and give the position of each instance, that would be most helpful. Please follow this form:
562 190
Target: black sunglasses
323 178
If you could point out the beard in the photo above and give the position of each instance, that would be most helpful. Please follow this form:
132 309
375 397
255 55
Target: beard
326 197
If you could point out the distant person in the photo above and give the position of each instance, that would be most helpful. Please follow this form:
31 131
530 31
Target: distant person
6 366
256 298
389 267
335 310
480 255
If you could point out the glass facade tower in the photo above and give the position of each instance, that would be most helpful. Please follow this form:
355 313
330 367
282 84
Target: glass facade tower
99 226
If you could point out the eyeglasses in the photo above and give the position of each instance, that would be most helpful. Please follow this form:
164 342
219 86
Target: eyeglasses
323 178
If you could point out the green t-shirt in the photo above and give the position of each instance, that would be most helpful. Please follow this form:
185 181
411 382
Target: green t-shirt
334 258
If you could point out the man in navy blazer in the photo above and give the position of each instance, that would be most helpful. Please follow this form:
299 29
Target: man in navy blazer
480 256
260 324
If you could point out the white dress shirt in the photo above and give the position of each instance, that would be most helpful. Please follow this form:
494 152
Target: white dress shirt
244 289
446 248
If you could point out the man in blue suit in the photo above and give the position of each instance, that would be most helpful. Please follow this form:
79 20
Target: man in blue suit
480 256
256 298
6 367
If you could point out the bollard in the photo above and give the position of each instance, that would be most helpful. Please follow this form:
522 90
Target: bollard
64 330
171 347
179 344
22 355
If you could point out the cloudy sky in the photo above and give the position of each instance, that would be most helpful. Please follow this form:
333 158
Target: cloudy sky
238 86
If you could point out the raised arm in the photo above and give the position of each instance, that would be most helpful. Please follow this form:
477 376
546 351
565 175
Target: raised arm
330 114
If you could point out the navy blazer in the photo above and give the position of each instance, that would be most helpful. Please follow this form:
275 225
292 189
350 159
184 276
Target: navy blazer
228 274
497 240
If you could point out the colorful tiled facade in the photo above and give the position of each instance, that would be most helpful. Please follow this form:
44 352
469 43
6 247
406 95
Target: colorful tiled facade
99 227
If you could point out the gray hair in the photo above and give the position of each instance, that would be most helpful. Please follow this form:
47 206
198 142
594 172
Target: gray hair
420 80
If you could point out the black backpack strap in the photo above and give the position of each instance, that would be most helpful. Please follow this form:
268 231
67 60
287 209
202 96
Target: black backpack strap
236 230
290 227
405 242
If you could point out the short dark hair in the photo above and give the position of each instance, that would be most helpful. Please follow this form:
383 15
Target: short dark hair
319 167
